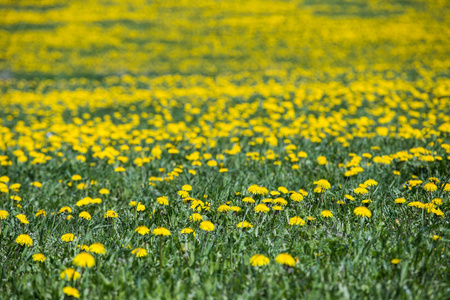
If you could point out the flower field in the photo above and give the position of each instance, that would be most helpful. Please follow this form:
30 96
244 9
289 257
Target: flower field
224 149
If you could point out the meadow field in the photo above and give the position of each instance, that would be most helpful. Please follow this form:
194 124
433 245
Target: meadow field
224 149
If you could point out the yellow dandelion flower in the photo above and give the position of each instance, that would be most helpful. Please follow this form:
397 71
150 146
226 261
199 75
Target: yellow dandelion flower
259 260
326 214
39 257
69 274
161 231
187 230
400 200
248 200
68 237
430 187
196 217
104 191
76 177
111 214
296 221
40 212
362 211
396 261
285 259
262 208
186 188
370 182
97 248
142 230
24 240
84 260
244 224
437 237
296 197
3 214
70 291
207 226
65 209
85 215
223 208
139 252
23 219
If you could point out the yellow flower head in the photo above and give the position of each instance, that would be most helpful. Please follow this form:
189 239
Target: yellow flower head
97 248
23 219
362 211
207 226
111 214
244 224
142 230
84 260
285 259
39 257
70 291
161 231
326 214
262 208
3 214
85 215
24 240
70 274
139 252
68 237
296 221
259 260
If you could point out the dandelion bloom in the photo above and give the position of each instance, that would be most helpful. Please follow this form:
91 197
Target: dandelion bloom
139 252
259 260
296 221
285 259
244 224
68 237
430 187
70 291
362 211
235 208
187 230
310 218
24 239
97 248
162 200
140 207
360 191
40 212
248 200
23 219
296 197
196 217
142 230
104 191
277 207
186 188
323 184
76 177
36 184
84 260
283 190
437 237
161 231
400 200
262 208
207 226
223 208
3 214
326 214
437 201
70 274
111 214
370 182
322 160
85 215
84 201
39 257
119 169
417 204
65 209
396 261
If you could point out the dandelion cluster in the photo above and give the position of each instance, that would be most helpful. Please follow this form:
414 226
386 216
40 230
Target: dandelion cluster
240 149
